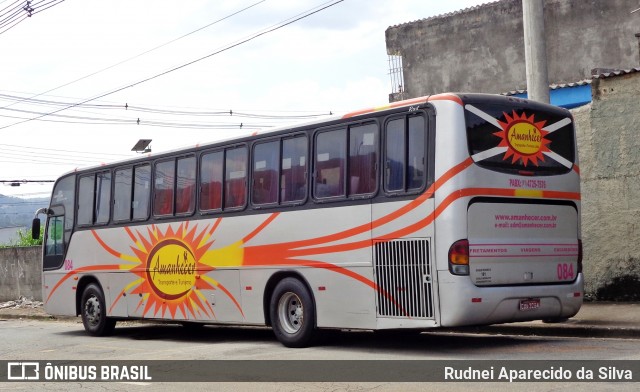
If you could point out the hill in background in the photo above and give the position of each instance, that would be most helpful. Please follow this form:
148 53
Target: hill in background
18 212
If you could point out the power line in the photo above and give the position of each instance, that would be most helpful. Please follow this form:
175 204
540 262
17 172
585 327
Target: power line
15 2
224 49
90 120
38 162
149 109
148 51
10 95
152 123
67 151
27 203
20 155
28 194
11 25
56 175
11 18
11 11
25 181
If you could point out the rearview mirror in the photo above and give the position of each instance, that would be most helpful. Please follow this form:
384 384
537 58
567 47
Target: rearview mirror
35 228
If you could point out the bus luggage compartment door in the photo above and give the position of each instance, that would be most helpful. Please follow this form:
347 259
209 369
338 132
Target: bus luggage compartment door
522 243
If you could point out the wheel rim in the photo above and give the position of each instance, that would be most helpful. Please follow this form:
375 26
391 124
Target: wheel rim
92 311
291 312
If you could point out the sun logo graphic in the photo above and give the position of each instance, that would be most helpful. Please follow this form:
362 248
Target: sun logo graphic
524 138
171 269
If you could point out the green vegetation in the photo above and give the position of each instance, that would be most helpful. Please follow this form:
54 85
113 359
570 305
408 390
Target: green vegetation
24 239
16 212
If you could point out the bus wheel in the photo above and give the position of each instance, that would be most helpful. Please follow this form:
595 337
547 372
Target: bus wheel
292 313
94 312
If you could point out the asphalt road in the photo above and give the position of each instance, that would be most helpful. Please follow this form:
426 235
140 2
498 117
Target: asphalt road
66 340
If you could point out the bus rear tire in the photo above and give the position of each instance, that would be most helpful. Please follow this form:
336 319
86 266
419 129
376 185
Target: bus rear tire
293 314
94 312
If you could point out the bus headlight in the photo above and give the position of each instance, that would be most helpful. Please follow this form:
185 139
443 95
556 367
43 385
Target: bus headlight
459 257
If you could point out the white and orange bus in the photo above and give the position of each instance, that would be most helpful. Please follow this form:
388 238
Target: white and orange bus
447 210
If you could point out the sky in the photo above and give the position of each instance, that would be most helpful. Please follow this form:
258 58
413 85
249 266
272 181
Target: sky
180 68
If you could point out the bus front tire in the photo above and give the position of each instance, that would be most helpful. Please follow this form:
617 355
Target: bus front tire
94 312
293 313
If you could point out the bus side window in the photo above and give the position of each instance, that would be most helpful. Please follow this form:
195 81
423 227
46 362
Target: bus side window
330 157
141 192
122 194
363 155
405 154
235 194
416 172
94 198
186 185
265 173
394 155
163 188
293 179
103 197
211 173
85 200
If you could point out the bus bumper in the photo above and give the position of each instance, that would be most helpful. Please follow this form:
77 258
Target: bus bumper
473 305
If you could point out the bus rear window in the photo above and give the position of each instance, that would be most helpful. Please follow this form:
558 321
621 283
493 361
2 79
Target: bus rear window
520 138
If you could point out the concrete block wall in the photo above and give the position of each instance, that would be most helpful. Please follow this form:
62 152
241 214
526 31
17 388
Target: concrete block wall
21 273
609 147
481 49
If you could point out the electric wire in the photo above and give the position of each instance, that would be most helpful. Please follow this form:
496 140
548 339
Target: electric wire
11 10
29 194
277 119
66 151
223 126
17 155
12 17
224 49
155 110
149 109
149 51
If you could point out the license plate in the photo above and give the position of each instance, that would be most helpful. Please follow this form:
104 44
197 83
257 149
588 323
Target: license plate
529 304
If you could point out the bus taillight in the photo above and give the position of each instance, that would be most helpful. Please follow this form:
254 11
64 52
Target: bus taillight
459 257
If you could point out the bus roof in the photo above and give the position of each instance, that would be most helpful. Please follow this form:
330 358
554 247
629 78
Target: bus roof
392 105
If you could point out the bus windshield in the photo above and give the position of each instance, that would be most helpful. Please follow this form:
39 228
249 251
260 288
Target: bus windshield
520 138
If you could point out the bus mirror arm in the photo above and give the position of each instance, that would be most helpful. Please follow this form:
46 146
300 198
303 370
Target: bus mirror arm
35 224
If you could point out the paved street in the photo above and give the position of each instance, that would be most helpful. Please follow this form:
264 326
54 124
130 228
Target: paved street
33 339
66 340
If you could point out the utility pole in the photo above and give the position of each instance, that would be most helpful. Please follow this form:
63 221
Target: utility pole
535 50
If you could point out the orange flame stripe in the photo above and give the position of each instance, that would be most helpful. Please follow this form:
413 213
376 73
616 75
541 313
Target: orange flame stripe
105 267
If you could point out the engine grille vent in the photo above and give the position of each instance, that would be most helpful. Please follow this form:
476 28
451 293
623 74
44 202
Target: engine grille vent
403 273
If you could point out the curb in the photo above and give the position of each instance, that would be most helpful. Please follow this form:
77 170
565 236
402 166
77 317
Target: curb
40 317
585 331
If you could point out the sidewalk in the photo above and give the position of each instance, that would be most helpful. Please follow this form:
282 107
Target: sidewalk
595 320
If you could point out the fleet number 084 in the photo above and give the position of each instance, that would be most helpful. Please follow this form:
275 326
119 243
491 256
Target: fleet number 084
565 271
